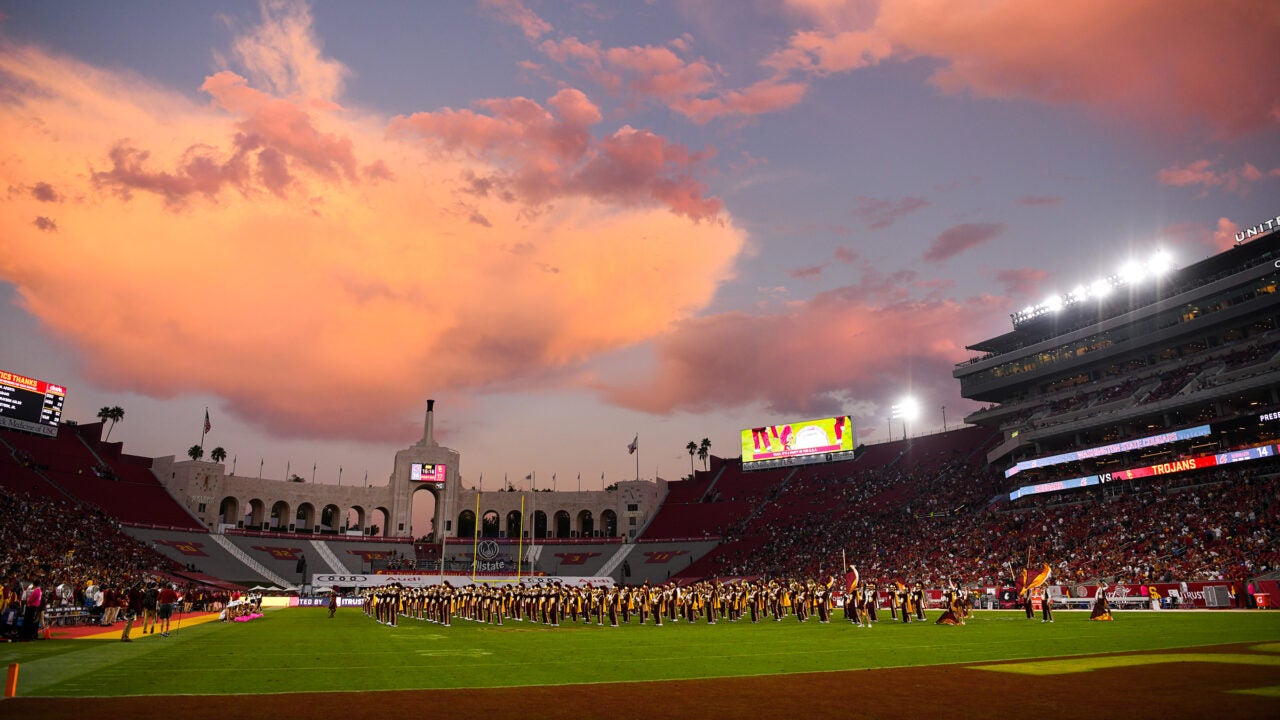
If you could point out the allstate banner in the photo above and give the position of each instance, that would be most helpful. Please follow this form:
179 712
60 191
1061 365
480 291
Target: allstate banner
419 580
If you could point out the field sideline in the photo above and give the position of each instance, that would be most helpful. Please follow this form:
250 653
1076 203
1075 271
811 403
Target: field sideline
301 656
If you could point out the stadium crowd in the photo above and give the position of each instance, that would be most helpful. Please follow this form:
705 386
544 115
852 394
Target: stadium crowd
936 525
66 562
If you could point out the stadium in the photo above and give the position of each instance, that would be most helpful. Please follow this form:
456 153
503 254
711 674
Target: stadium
1126 455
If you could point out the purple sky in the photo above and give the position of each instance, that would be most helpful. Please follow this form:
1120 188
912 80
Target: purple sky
574 222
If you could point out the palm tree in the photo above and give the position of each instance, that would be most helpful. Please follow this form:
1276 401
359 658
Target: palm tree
195 452
692 447
114 414
218 454
704 451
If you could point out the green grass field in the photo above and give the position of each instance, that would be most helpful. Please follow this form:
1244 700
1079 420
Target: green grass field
302 650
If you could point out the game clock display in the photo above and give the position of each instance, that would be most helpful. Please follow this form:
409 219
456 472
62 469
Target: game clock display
427 473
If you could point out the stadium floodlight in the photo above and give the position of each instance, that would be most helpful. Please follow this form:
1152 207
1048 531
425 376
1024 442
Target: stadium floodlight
1100 288
1160 263
1132 272
907 409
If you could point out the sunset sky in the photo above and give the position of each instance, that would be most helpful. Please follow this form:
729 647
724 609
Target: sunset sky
574 222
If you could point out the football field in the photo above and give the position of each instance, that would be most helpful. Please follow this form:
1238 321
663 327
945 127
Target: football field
1222 661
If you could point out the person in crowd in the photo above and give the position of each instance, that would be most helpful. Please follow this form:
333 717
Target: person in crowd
166 600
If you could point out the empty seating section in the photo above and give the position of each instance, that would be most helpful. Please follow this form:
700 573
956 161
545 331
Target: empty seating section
196 550
692 520
17 475
122 485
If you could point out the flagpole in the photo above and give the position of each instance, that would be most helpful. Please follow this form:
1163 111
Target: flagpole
438 527
204 429
475 538
637 457
520 542
533 503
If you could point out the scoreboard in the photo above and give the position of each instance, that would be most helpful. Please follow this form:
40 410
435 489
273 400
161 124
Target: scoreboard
30 404
428 473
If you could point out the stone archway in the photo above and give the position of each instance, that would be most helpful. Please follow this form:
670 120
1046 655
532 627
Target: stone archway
609 523
563 523
381 519
514 524
304 519
586 524
490 524
280 516
355 518
330 518
421 522
229 511
255 515
466 523
539 524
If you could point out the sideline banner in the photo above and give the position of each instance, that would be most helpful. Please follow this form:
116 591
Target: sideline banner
415 580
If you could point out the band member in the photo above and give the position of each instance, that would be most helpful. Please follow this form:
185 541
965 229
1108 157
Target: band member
918 600
954 614
823 597
1046 605
1101 608
904 602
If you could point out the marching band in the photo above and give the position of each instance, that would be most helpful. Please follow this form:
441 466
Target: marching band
554 604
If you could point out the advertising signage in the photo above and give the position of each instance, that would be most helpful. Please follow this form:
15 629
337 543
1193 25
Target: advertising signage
30 404
797 439
1198 462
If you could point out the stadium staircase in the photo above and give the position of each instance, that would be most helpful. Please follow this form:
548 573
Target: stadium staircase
335 565
21 477
712 485
614 562
249 562
533 554
764 501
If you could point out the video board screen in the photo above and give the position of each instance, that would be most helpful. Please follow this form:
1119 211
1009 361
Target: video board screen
807 437
427 473
30 404
1198 462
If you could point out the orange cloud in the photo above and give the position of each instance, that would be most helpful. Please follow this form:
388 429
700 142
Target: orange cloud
1200 240
321 274
1162 64
542 154
515 12
689 87
1022 283
955 240
880 213
1202 173
845 347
